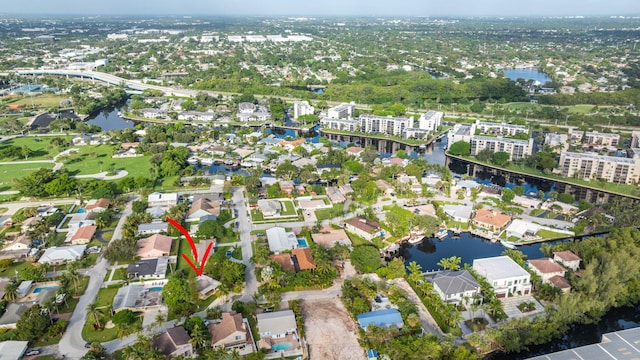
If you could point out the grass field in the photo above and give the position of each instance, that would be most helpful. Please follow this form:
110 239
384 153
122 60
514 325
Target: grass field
8 173
40 146
87 161
287 208
40 101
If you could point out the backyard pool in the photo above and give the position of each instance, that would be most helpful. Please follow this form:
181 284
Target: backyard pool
39 289
281 346
81 210
303 243
155 288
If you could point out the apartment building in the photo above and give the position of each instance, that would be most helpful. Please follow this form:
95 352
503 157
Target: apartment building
589 166
340 124
598 138
342 111
635 139
384 124
430 120
517 149
301 108
461 132
500 128
557 140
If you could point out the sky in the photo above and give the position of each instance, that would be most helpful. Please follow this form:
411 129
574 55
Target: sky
325 7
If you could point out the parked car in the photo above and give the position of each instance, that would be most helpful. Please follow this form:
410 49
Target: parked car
33 352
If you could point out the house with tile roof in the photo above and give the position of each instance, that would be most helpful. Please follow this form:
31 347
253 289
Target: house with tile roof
490 220
174 342
328 237
366 229
83 235
568 259
302 259
546 268
98 205
232 332
154 246
203 207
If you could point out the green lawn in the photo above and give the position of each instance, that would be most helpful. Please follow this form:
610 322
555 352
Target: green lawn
287 208
16 266
90 335
40 146
326 214
44 101
105 296
548 234
8 173
87 161
119 274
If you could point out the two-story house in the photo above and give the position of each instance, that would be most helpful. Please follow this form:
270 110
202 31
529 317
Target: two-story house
174 342
232 332
505 276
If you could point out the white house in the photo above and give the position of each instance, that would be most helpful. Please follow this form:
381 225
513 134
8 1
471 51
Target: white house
568 259
59 254
459 213
280 240
505 276
162 199
455 286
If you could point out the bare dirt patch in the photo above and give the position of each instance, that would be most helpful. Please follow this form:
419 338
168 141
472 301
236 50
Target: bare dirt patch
330 332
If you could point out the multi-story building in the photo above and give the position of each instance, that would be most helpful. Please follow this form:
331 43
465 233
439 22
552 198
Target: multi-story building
635 139
500 128
517 149
589 166
576 135
301 108
430 120
598 138
461 132
251 112
384 124
340 124
557 140
342 111
505 276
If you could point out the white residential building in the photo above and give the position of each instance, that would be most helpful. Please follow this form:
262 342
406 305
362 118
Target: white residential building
588 166
517 149
280 240
505 276
430 120
162 199
461 132
500 128
342 111
603 139
384 124
557 140
301 108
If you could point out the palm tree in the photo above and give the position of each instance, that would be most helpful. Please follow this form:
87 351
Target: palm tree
452 263
94 311
199 339
415 272
11 291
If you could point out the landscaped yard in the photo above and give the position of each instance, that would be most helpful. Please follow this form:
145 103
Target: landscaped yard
326 214
105 295
287 208
45 101
548 234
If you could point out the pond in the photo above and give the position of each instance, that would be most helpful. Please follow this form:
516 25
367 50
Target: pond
108 119
527 74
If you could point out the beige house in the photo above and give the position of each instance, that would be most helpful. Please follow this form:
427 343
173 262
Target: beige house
568 259
83 235
154 246
328 237
232 332
366 229
546 268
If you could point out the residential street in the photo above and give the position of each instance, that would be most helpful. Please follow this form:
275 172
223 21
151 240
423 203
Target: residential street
72 345
244 229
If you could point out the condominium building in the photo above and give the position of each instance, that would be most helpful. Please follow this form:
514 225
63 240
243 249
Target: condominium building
517 149
430 120
340 124
589 166
461 132
598 138
557 140
342 111
635 139
384 124
500 128
301 108
251 112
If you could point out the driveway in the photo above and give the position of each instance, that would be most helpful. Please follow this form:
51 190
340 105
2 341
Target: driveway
244 230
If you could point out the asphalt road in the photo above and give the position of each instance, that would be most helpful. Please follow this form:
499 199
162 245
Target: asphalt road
244 229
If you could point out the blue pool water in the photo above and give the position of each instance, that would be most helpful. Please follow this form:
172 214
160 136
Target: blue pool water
281 346
156 288
39 289
302 243
80 211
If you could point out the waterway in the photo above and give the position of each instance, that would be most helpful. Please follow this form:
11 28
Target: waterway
108 119
527 74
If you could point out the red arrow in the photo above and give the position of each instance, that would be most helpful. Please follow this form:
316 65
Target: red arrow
193 248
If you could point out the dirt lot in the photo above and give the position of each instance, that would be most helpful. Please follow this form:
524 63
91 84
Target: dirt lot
330 332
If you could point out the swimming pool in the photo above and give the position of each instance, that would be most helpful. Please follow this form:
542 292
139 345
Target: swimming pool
39 289
155 288
281 346
303 243
80 211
